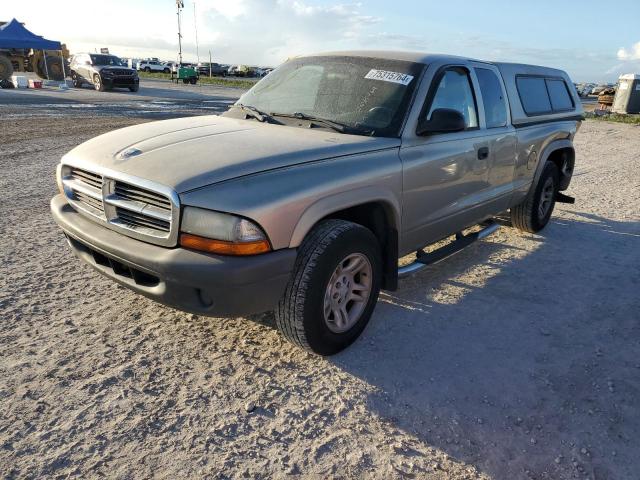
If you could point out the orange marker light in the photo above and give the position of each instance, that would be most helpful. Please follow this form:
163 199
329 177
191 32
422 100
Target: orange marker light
221 247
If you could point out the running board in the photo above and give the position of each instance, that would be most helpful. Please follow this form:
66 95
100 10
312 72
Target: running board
562 198
462 241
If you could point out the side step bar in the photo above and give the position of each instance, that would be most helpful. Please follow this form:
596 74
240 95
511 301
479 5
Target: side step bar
462 241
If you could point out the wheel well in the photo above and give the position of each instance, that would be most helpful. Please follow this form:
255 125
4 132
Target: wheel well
378 218
564 158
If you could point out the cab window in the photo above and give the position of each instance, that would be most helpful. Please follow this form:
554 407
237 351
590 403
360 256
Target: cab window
495 109
455 91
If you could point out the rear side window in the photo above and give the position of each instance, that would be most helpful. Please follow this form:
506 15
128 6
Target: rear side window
495 110
533 94
560 99
543 95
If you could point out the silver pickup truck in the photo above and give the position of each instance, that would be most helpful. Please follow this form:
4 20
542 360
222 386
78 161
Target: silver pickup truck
303 196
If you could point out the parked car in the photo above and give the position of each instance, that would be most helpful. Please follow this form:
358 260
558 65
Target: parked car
325 173
598 89
153 66
238 71
103 72
214 69
584 89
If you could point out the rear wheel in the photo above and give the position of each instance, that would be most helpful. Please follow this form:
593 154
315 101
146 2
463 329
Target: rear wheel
6 68
166 70
55 68
533 214
77 81
333 289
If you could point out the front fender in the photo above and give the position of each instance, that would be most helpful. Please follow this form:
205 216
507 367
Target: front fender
287 202
343 200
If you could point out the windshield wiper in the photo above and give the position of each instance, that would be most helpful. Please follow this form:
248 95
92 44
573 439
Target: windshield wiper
337 126
252 112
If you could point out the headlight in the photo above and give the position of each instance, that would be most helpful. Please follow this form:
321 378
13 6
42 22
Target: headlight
221 233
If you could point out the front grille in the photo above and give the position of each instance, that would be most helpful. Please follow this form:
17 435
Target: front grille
139 212
121 72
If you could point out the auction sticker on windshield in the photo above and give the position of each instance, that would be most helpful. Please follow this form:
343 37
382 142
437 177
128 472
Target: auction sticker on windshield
393 77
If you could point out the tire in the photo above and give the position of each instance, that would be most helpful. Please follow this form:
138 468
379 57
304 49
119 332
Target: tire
55 68
147 69
166 70
77 81
135 88
193 81
532 215
97 83
6 68
301 313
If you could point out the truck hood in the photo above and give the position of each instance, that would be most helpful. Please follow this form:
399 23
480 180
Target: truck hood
193 152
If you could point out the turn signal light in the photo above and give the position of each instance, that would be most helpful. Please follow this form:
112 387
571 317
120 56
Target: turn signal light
222 247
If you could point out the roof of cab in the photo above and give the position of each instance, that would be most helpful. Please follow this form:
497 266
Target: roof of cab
417 57
428 58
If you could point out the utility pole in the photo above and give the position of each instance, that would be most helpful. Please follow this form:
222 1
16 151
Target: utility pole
195 24
180 5
209 63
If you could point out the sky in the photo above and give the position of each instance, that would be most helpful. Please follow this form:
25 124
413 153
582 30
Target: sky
571 35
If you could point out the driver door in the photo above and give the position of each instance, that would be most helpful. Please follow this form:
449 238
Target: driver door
446 183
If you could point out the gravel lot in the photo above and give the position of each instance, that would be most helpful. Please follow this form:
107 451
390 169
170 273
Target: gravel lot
517 358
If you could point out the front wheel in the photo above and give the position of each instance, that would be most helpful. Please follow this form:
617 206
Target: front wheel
533 214
333 289
134 88
98 84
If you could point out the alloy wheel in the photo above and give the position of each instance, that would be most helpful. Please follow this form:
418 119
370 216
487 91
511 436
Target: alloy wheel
347 292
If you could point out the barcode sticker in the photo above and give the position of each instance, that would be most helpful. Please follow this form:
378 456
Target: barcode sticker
393 77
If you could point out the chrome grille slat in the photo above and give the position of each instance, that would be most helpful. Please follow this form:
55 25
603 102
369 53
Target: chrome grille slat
92 179
141 195
134 219
92 202
78 186
139 207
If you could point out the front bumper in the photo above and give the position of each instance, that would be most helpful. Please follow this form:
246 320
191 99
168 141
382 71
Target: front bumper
195 282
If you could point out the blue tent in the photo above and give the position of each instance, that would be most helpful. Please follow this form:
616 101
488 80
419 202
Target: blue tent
14 35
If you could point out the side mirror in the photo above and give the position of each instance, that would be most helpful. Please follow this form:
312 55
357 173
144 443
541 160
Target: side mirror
87 62
443 120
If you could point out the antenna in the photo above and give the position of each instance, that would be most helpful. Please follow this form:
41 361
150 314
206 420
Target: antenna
180 5
195 24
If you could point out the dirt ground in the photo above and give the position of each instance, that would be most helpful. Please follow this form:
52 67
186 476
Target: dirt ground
517 358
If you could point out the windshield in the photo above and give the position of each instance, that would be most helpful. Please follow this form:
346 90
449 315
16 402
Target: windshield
368 94
111 60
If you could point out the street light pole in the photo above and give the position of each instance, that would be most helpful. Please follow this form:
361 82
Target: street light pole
180 5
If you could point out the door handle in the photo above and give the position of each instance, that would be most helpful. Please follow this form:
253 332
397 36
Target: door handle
483 153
